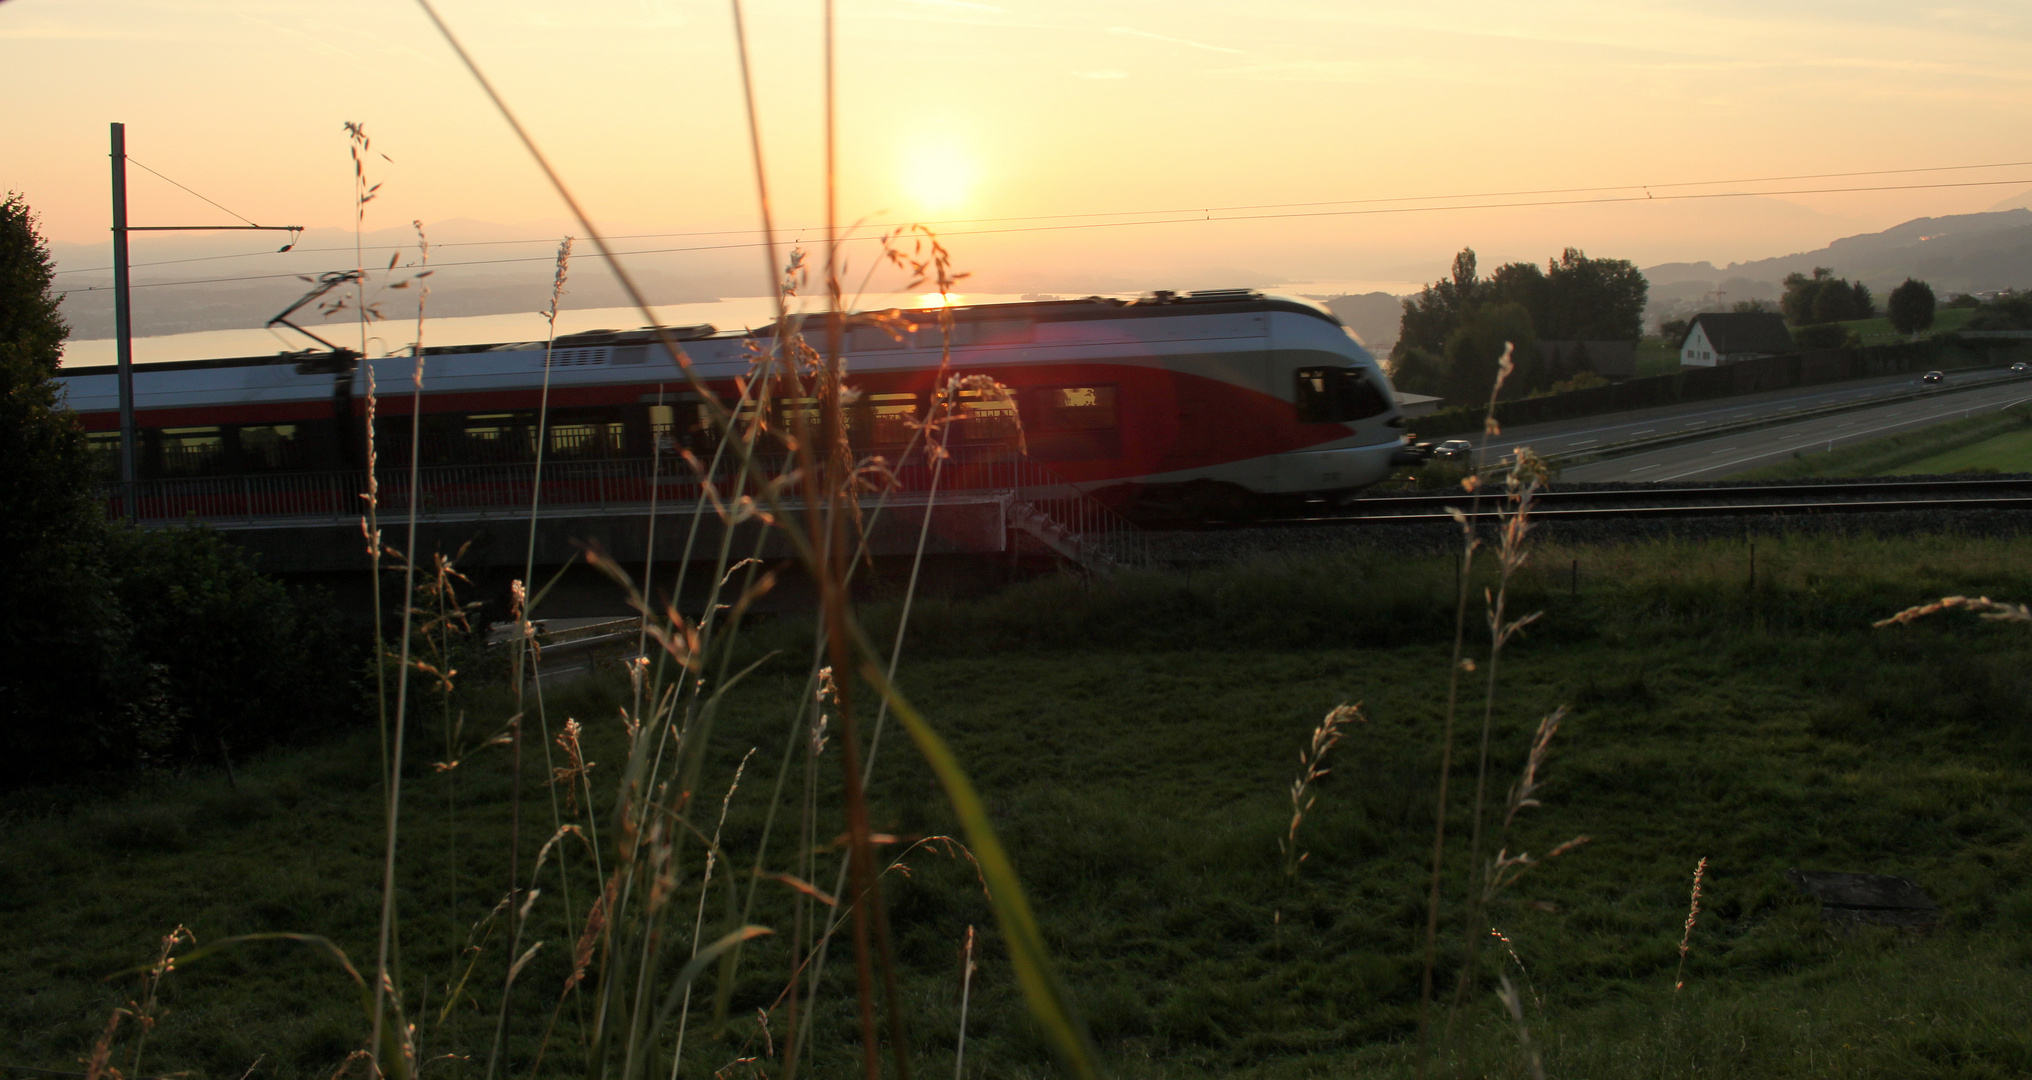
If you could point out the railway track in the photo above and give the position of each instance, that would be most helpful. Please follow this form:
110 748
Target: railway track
1636 501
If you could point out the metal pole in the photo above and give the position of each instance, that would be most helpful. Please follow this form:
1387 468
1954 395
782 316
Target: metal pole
123 326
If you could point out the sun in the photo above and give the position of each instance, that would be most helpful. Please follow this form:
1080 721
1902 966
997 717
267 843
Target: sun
938 175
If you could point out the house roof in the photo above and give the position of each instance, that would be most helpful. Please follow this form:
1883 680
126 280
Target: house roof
1734 332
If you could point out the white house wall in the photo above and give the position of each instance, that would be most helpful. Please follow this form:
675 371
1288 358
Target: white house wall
1698 351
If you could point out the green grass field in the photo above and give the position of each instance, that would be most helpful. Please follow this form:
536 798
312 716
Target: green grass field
1878 331
1656 356
2010 452
1135 742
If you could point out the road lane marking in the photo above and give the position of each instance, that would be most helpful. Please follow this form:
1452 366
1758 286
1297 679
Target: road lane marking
1822 439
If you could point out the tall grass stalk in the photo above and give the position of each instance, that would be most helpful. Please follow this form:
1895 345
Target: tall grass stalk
1692 914
1512 551
651 805
1456 665
524 641
966 991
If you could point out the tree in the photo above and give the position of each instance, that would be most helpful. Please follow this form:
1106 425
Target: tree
1473 350
1911 307
1591 299
123 647
1824 298
1438 309
1674 331
1417 371
61 629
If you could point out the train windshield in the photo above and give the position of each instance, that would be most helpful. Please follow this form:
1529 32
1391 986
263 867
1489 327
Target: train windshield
1338 396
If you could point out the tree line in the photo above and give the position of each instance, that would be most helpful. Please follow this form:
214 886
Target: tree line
1452 333
120 647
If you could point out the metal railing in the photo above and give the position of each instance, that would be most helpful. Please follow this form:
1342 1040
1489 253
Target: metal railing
1086 527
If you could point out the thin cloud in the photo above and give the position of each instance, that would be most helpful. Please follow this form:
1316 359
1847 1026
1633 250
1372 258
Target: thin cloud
1173 40
1106 74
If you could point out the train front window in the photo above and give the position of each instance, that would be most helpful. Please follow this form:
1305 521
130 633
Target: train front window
192 451
1337 396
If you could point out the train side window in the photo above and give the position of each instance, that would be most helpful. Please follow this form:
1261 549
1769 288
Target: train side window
1079 408
587 438
1337 395
105 449
891 416
663 428
986 416
269 447
192 451
491 437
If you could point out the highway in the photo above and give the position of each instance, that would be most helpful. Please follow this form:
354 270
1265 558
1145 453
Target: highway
1728 454
1737 451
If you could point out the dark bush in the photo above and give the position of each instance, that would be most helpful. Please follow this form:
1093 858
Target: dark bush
1824 336
241 658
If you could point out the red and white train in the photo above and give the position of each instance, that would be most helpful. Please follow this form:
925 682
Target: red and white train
1202 402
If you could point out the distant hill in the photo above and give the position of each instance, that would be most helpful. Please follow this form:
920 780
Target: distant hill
1374 317
1960 253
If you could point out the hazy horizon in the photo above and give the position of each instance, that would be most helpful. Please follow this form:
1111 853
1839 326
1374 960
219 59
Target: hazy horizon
1056 147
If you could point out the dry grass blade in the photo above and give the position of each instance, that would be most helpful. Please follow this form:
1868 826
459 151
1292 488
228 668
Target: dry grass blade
1692 914
1311 768
1515 1006
1983 605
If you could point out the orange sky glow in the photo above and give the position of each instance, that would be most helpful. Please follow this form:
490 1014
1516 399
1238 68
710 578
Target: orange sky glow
1121 132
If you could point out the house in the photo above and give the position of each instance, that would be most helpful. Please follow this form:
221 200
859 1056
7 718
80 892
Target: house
1729 337
1614 359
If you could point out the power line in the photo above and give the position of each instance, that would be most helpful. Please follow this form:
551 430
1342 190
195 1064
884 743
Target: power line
159 176
1199 216
1134 213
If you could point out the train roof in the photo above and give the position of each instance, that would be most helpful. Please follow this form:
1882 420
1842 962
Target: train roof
1091 308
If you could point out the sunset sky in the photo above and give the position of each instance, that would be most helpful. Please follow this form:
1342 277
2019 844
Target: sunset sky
958 109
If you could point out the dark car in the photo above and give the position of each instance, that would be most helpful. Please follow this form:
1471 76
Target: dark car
1453 448
1932 377
2020 368
1412 454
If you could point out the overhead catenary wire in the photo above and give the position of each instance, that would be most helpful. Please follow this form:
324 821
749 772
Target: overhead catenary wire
1169 210
159 176
1196 216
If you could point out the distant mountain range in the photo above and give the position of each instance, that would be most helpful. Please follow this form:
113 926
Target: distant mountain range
489 268
1961 253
